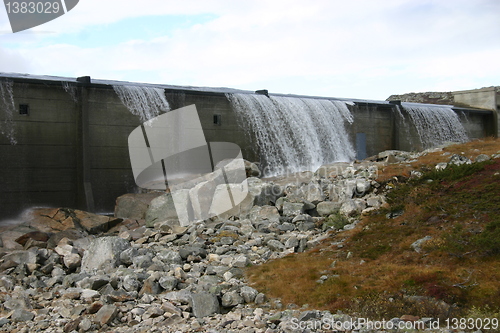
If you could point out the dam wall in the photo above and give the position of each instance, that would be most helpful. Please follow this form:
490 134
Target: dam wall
64 141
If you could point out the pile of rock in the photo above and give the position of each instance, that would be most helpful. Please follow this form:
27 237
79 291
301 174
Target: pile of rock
66 270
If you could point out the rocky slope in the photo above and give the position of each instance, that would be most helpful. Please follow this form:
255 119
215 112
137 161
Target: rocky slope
64 270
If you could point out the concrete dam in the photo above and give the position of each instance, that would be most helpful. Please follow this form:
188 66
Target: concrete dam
63 141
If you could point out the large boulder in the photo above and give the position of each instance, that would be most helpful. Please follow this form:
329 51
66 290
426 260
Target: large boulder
103 253
134 205
204 304
231 200
59 219
161 209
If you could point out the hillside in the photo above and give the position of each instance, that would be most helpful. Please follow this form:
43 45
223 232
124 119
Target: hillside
432 251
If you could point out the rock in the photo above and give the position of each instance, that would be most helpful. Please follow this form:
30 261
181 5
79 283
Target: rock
312 192
59 219
416 245
168 283
351 208
326 208
375 201
39 236
251 169
231 200
21 257
482 158
183 207
332 170
248 294
192 250
134 205
241 261
266 194
362 186
204 304
264 215
275 245
459 160
72 261
103 253
170 257
441 166
106 314
160 209
293 208
21 315
231 298
201 198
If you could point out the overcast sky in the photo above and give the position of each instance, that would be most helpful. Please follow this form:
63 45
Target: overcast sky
353 49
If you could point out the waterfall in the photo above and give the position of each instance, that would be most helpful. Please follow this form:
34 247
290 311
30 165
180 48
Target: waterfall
71 90
7 105
143 101
295 134
436 124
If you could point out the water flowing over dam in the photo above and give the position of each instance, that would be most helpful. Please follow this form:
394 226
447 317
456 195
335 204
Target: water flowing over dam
436 124
295 134
143 101
64 141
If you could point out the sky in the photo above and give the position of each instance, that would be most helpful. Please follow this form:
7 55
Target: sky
362 49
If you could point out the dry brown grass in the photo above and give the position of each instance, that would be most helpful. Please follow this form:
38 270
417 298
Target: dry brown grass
470 149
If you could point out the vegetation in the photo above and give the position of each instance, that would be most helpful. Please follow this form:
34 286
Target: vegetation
377 274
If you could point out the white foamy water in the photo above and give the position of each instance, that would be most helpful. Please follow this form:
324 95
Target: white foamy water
146 102
436 124
295 134
8 107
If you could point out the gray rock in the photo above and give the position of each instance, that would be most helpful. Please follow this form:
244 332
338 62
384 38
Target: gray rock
231 298
441 166
106 314
293 208
170 257
130 283
72 261
312 192
258 214
248 294
21 315
268 194
21 257
350 208
418 243
204 304
192 250
134 205
241 261
459 160
326 208
128 254
362 186
275 245
168 283
482 158
103 253
222 206
160 209
251 169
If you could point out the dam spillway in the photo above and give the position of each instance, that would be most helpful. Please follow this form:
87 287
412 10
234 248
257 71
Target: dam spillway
63 141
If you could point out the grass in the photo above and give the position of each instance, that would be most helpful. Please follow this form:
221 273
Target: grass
377 274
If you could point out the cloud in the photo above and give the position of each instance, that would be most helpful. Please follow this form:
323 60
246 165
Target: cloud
364 49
